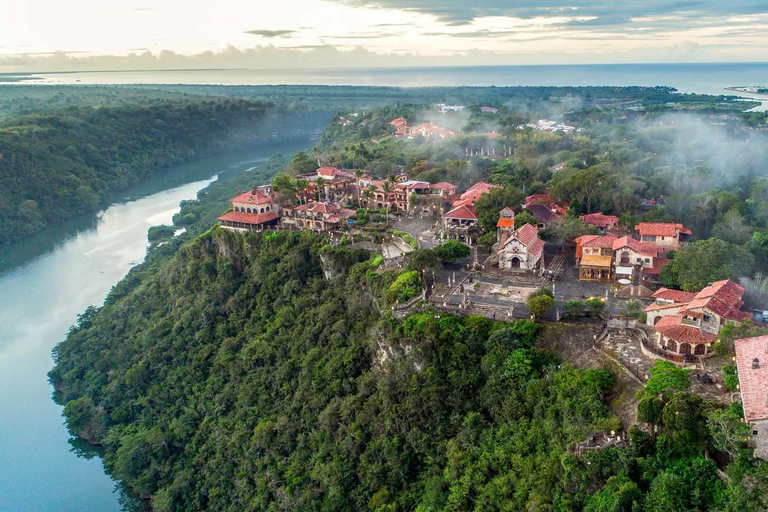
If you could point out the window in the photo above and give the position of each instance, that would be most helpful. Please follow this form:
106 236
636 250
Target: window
647 260
754 432
662 238
639 260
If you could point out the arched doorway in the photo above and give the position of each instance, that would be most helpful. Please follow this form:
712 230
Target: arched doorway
625 258
700 349
672 346
656 320
515 262
685 349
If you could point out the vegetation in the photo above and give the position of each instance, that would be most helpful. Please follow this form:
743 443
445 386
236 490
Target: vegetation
451 250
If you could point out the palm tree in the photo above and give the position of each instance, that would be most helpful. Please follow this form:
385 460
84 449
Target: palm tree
320 182
301 188
368 194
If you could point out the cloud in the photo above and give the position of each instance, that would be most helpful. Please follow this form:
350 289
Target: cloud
461 12
271 33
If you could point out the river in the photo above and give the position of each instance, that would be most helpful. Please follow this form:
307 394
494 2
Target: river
45 282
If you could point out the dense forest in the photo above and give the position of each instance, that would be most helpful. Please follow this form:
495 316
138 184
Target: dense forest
59 163
239 375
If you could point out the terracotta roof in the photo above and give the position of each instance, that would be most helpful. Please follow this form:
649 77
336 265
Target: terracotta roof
253 197
332 171
443 185
722 298
603 241
655 270
319 208
671 326
248 218
661 229
753 382
673 295
526 234
462 212
505 223
478 189
536 247
655 307
637 246
462 202
538 199
599 220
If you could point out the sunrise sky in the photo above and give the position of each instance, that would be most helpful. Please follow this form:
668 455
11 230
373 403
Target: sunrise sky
290 33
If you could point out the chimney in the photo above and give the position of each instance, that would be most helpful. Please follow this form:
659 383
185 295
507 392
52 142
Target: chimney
755 363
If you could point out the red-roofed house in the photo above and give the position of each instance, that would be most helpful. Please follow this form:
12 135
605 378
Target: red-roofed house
444 188
546 210
474 193
631 256
523 249
320 217
461 224
594 254
338 184
752 365
667 235
254 210
602 222
706 311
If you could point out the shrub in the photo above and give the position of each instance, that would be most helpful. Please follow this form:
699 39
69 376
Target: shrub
451 250
596 306
574 308
406 286
540 304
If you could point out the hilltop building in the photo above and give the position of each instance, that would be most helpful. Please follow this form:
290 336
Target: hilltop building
667 235
522 249
689 323
460 224
603 223
594 254
636 260
752 366
318 217
255 210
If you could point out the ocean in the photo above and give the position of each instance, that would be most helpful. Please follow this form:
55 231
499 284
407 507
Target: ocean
687 78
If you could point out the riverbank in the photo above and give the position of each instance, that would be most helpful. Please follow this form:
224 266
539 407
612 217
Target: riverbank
45 283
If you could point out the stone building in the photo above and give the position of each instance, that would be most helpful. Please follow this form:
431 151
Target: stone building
522 249
667 235
752 365
688 323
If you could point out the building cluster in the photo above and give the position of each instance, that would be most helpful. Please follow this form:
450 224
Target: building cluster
426 130
323 196
627 260
688 323
546 125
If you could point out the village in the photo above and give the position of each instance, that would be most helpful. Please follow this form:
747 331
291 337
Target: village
608 279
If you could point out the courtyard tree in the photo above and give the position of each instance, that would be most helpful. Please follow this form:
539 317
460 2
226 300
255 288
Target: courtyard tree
491 203
666 378
574 308
539 304
729 433
633 307
525 217
595 306
706 261
451 250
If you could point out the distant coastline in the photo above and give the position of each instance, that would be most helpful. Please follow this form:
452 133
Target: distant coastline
760 90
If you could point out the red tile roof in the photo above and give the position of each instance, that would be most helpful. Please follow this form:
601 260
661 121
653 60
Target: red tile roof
602 241
505 223
722 298
526 234
645 249
753 382
443 185
536 247
466 211
654 307
478 189
600 220
671 326
248 218
253 197
462 202
673 295
661 229
655 270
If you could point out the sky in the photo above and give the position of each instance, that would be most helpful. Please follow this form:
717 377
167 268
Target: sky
40 35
